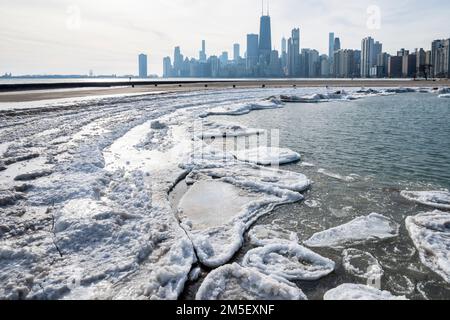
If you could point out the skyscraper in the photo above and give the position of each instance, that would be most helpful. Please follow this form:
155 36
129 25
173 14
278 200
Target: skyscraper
337 44
440 58
167 67
294 54
331 46
142 66
224 58
177 62
367 56
265 39
202 54
252 50
284 54
236 52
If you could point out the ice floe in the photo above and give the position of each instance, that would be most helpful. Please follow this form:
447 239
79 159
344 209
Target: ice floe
266 188
318 97
444 96
435 199
430 232
290 261
233 282
239 109
443 91
361 264
400 90
359 292
268 156
372 228
262 235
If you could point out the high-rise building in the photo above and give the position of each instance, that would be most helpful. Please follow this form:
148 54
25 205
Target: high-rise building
178 61
202 54
331 46
395 66
265 39
252 50
294 54
367 56
409 63
382 65
275 69
284 59
346 63
167 67
143 66
236 52
337 44
440 58
324 66
421 62
224 58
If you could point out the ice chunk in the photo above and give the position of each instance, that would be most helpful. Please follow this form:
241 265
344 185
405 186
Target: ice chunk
372 228
216 243
443 91
267 234
233 282
242 108
435 199
223 131
400 90
33 175
361 264
430 232
444 96
350 178
290 261
268 155
359 292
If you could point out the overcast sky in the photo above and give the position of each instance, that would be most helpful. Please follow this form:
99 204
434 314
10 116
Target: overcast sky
74 36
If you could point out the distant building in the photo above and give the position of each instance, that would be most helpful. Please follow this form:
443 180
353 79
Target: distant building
294 54
167 67
331 46
142 66
202 53
409 63
252 51
324 66
346 63
395 67
382 65
440 58
337 44
177 62
236 52
265 39
421 63
369 52
224 58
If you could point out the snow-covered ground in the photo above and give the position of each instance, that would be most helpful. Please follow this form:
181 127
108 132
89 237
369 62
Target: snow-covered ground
85 210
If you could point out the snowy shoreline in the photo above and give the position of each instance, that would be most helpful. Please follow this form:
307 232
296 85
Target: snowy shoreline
85 196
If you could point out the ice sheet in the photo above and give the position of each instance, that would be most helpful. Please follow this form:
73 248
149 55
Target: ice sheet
233 282
268 156
435 199
290 261
359 292
372 228
430 233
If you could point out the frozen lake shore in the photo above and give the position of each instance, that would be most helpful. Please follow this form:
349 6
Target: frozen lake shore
85 211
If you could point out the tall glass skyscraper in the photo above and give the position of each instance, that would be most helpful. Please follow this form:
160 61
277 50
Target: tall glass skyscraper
331 46
265 38
142 66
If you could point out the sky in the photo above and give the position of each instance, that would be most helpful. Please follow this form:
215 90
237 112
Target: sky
106 36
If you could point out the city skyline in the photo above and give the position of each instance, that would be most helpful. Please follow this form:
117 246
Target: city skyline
108 42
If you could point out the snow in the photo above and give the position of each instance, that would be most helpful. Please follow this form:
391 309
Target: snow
435 199
262 235
372 228
361 264
239 109
359 292
214 130
234 282
290 261
431 235
268 156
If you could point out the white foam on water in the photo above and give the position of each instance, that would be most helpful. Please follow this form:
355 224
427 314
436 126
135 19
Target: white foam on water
262 235
233 282
372 228
361 264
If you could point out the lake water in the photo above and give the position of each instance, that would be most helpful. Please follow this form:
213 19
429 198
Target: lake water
364 153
